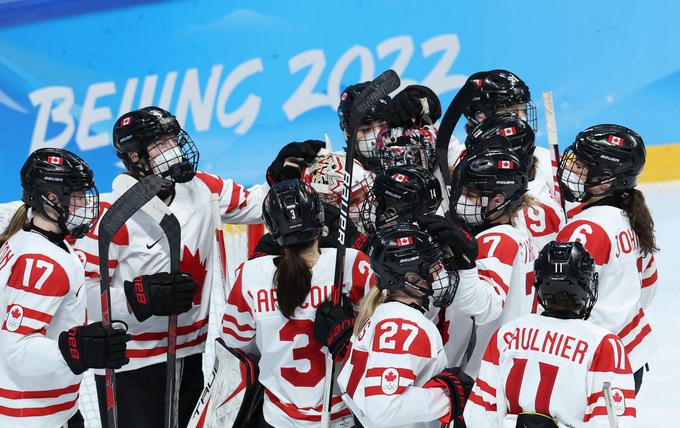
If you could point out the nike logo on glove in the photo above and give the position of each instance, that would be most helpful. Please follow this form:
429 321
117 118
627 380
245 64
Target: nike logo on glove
148 247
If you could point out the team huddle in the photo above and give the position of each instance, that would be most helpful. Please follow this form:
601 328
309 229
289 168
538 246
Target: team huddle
479 287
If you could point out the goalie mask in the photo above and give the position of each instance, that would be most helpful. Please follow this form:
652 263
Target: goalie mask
407 259
60 186
602 154
407 146
499 91
150 141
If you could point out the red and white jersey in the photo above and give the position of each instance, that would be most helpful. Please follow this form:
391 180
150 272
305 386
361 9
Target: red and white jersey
505 265
41 295
544 171
606 233
545 217
396 353
648 277
140 248
293 363
555 367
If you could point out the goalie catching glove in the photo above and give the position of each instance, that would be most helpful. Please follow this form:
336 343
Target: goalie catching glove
94 347
458 386
333 326
160 294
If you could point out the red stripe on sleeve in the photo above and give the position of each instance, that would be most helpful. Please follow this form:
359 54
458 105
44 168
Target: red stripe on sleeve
648 282
47 393
486 273
643 333
215 184
475 398
37 411
234 321
485 387
492 354
235 197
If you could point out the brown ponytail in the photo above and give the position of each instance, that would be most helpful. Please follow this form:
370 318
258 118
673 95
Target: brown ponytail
641 220
19 221
534 167
293 279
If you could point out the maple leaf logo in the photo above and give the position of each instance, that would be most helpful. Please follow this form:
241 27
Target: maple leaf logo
390 381
16 313
390 377
618 397
194 266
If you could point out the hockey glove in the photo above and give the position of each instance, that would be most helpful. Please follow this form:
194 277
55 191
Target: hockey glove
462 244
160 294
297 153
329 237
94 347
458 386
333 326
535 420
406 107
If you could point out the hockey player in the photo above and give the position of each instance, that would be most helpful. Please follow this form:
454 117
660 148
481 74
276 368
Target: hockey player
545 217
396 372
45 338
272 307
400 194
150 141
549 370
496 287
600 169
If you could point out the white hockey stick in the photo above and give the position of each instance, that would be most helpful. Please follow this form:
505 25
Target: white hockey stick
609 403
551 128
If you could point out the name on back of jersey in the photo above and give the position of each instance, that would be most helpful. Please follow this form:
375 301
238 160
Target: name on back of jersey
546 342
266 299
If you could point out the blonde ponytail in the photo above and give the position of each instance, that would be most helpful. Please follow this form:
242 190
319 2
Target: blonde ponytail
371 301
19 221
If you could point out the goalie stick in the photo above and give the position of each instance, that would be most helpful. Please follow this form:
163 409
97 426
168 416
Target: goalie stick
160 212
379 88
127 204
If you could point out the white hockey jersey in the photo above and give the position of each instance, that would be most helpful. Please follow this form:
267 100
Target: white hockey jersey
545 217
555 367
505 265
293 363
140 248
606 233
41 295
383 380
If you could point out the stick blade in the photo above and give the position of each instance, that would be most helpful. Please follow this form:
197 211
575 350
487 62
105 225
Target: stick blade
379 88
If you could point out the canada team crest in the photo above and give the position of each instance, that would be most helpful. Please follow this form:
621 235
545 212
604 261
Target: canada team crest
389 381
15 315
618 401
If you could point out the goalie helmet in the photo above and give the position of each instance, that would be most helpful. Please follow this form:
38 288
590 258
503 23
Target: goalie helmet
602 154
151 141
481 177
566 268
293 213
503 130
54 172
500 91
407 146
325 175
400 194
407 259
369 128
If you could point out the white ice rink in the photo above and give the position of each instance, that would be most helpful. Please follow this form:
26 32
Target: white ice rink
659 397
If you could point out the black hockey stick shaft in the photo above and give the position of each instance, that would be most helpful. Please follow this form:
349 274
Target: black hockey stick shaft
173 233
116 216
372 94
451 117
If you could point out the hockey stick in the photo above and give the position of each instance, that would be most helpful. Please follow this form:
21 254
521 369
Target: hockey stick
160 212
551 128
127 204
372 93
607 392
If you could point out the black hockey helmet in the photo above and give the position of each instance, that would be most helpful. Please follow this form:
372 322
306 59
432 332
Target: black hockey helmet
403 256
61 173
499 90
482 176
365 148
566 268
293 213
138 132
503 130
407 146
399 195
612 154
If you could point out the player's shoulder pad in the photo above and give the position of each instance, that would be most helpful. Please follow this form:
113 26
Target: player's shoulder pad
500 242
403 335
611 356
42 274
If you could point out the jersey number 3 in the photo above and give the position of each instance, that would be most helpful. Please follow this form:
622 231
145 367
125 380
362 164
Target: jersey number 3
310 352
